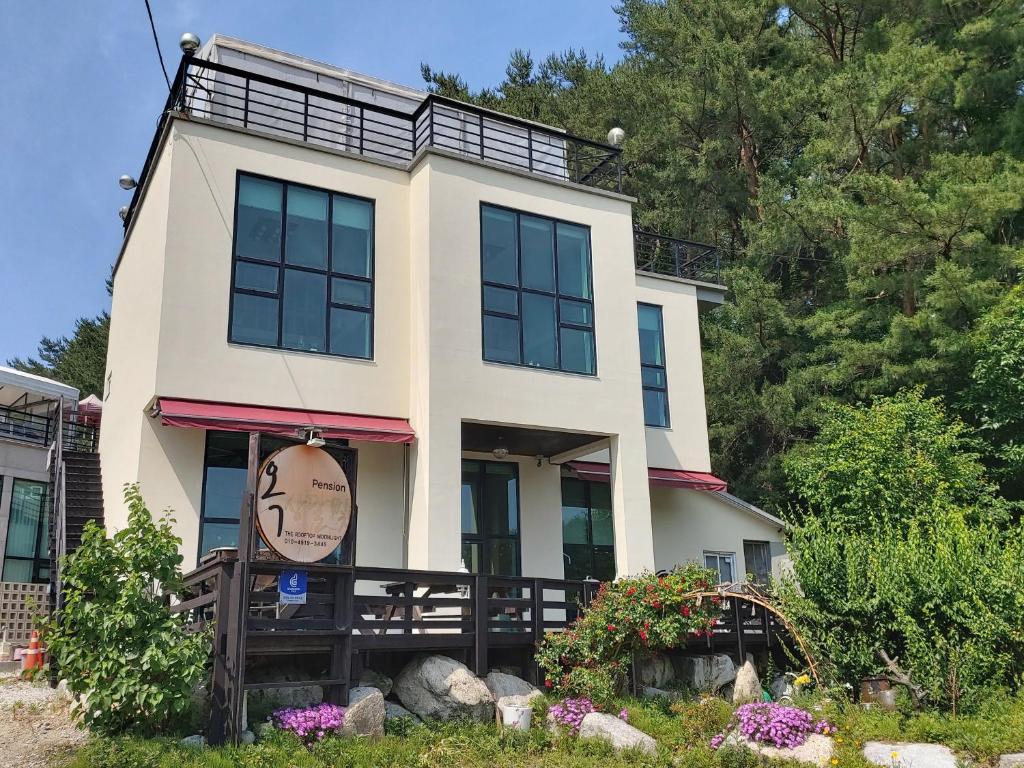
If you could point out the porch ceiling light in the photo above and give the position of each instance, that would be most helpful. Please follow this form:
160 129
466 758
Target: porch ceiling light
500 452
315 440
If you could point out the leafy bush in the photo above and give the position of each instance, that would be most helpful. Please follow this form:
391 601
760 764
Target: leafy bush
634 615
902 548
116 640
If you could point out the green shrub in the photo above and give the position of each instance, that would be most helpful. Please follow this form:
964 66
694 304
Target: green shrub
116 640
638 615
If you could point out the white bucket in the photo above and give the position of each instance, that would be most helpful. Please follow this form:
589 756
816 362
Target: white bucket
516 717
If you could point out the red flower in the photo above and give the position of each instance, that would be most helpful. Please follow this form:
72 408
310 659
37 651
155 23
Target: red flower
631 591
611 627
548 683
650 587
643 636
685 610
716 600
655 604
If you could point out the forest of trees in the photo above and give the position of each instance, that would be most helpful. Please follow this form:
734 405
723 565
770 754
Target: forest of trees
859 164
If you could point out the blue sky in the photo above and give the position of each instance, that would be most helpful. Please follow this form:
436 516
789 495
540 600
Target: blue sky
82 92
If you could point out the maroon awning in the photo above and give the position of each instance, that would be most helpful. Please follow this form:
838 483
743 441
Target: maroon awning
675 478
289 422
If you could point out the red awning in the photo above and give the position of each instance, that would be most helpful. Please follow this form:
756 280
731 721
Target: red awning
674 478
281 421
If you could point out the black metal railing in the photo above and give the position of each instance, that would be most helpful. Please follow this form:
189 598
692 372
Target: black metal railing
40 429
291 110
677 258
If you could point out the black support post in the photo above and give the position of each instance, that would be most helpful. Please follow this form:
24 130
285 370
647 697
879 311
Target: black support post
480 614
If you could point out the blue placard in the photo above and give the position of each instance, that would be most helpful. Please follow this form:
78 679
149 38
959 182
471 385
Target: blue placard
292 587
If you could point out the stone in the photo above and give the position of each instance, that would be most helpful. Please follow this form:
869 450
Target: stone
727 691
519 701
501 684
654 671
247 737
394 711
279 698
364 715
195 740
747 686
817 750
437 687
902 754
705 673
264 730
618 733
649 692
372 679
1011 760
782 688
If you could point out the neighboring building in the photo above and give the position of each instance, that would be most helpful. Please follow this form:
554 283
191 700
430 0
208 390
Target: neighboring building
452 291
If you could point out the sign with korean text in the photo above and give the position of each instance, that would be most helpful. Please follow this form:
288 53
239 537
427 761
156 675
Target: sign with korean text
292 585
303 503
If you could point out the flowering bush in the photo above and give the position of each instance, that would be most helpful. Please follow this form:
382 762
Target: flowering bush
642 615
773 724
570 713
311 723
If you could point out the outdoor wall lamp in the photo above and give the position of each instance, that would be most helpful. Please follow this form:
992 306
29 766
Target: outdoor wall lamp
616 136
123 212
127 182
189 43
500 451
315 440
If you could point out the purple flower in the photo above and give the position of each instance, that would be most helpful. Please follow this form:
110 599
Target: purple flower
773 724
624 715
570 713
311 723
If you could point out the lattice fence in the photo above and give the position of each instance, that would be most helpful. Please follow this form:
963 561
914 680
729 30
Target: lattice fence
19 605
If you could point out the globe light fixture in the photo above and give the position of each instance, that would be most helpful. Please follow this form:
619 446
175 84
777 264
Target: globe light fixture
189 43
616 136
127 182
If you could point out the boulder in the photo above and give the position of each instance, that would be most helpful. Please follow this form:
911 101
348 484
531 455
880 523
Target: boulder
706 673
501 685
782 687
364 715
747 686
649 692
441 688
902 754
817 750
394 711
247 737
372 679
1012 760
195 740
619 734
654 671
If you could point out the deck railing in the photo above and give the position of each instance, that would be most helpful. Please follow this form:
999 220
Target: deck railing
42 430
677 258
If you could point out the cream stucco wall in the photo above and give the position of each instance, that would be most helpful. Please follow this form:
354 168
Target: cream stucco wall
688 523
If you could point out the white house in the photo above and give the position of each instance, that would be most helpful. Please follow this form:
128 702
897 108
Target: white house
450 291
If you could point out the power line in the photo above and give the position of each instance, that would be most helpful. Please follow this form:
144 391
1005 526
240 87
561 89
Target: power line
156 41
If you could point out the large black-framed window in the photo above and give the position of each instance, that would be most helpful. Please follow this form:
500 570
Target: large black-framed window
27 553
652 365
302 274
490 517
537 294
757 561
588 543
225 467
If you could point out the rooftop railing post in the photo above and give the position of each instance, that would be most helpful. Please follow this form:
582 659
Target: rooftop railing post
618 172
537 594
305 117
481 120
245 105
529 149
480 619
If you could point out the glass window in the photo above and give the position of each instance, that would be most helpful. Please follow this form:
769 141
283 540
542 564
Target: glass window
757 560
537 303
490 517
723 563
27 554
652 365
588 545
310 302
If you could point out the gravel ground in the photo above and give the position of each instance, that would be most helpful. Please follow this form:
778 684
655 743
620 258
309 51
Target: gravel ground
35 726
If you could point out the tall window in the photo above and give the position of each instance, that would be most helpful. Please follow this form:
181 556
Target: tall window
490 517
757 560
224 476
303 269
538 307
652 365
724 563
588 544
27 556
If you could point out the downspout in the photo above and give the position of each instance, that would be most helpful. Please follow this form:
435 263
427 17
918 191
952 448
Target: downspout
406 506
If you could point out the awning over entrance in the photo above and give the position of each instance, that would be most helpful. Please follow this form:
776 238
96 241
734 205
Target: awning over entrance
674 478
288 422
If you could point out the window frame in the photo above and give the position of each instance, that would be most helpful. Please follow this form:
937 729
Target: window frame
768 560
38 561
481 539
663 367
556 295
282 266
590 545
720 554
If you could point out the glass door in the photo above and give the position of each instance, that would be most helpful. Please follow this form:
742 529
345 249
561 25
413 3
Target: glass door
490 517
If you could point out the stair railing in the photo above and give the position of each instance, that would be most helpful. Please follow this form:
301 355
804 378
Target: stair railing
59 508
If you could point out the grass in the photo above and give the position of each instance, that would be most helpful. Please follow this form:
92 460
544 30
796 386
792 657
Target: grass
682 730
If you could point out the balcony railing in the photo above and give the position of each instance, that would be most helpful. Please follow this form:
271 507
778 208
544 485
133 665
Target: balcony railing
244 99
677 258
41 430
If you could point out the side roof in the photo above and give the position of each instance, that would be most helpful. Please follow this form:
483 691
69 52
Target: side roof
14 384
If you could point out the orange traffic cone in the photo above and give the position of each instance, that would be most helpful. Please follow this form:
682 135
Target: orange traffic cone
32 658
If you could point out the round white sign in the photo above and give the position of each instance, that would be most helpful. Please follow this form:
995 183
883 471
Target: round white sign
303 503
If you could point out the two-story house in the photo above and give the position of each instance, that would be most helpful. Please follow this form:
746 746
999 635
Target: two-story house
316 254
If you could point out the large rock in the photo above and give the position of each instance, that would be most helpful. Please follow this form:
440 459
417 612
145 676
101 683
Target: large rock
441 688
747 687
817 750
705 674
903 754
394 711
782 688
364 715
619 734
501 685
654 671
372 679
1012 760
